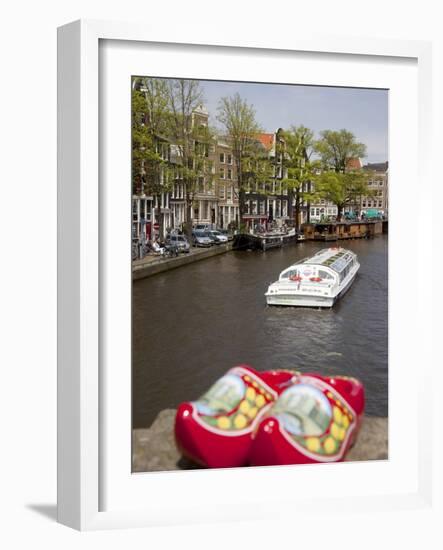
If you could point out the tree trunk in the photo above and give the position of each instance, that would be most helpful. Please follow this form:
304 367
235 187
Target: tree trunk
188 219
241 191
290 205
241 203
339 212
297 210
161 224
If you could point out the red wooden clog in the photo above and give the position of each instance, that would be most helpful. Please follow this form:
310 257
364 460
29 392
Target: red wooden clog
216 430
314 420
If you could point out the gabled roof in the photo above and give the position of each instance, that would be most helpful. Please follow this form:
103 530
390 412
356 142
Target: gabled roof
377 166
354 163
267 140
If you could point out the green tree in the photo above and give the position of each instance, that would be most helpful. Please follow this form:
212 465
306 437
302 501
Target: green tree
150 120
298 144
192 139
342 189
335 148
238 120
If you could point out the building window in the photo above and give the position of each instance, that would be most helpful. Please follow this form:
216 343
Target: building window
222 158
229 174
229 193
229 159
261 207
222 173
222 191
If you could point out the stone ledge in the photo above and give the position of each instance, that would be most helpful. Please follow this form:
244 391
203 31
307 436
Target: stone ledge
154 448
150 266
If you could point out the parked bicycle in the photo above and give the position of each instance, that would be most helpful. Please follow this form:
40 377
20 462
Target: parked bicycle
171 251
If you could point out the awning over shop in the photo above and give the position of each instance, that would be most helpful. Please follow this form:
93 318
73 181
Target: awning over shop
372 213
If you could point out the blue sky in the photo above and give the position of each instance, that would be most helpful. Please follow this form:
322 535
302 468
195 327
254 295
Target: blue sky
361 111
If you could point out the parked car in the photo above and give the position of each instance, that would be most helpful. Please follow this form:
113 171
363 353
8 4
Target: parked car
202 240
218 237
227 233
201 227
179 241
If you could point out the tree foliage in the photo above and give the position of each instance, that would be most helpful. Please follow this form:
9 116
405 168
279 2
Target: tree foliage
171 143
342 189
192 139
336 147
238 120
298 148
149 120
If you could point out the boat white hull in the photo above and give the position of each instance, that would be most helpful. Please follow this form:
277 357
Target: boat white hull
298 298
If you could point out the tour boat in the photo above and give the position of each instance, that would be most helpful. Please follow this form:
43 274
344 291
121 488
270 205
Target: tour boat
314 420
317 281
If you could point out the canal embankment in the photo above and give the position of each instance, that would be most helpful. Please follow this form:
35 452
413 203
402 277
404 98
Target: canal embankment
152 265
154 448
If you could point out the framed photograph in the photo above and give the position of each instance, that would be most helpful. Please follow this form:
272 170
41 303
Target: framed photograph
232 275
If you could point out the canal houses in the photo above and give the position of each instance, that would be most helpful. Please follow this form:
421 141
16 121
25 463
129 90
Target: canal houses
151 207
159 192
204 207
160 198
267 198
225 173
154 173
214 199
378 183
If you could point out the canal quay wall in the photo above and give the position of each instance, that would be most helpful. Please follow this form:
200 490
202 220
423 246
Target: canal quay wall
154 448
152 265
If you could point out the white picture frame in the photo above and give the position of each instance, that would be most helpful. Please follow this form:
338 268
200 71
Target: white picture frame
83 398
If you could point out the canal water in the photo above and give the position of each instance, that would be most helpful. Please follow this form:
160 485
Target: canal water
193 323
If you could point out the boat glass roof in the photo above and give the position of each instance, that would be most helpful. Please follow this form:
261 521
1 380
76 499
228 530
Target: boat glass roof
334 259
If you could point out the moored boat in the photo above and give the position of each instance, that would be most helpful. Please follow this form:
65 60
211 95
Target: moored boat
317 281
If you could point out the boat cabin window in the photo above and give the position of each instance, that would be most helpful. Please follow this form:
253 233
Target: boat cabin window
324 274
289 273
